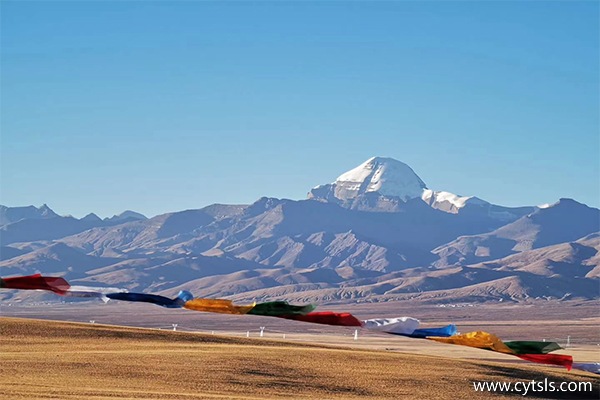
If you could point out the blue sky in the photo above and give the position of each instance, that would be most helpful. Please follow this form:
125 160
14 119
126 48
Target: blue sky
163 106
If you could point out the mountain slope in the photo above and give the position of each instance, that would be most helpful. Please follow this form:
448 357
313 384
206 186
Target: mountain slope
564 221
57 258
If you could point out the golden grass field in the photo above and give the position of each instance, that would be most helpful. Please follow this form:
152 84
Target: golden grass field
63 360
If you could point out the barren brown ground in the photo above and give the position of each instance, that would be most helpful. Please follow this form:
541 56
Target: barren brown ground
62 360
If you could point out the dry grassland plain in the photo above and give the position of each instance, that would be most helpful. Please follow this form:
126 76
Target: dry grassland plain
63 360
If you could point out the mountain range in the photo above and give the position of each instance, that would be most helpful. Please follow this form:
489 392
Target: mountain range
377 233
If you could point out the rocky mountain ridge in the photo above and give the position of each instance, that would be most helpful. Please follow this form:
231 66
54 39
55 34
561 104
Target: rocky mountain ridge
376 234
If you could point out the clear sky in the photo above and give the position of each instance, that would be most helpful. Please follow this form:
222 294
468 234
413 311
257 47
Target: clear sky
164 106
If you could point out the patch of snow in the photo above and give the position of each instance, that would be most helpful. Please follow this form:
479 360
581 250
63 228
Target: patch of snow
431 197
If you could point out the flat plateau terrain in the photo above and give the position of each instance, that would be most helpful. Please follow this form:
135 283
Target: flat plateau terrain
566 323
66 360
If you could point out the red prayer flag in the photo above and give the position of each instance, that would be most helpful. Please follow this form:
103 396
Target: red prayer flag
553 359
32 282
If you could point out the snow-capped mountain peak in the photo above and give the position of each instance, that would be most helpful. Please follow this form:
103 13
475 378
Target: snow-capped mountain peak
384 175
391 181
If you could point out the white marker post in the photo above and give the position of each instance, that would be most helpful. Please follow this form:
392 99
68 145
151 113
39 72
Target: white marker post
356 334
262 329
174 327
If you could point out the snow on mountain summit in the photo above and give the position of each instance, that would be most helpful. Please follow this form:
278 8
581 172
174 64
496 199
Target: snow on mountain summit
384 175
390 179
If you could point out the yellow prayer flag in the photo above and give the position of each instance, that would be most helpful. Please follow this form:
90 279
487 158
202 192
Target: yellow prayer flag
216 306
480 340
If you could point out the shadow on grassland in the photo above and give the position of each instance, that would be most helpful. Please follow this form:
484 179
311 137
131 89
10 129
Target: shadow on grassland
268 376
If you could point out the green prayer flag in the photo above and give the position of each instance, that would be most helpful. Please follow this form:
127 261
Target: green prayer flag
277 308
532 347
